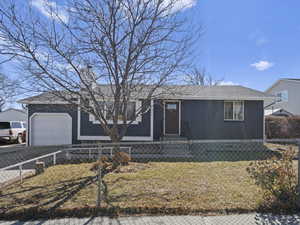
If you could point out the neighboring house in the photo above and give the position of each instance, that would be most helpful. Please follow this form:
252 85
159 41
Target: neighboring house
288 95
195 112
13 115
277 112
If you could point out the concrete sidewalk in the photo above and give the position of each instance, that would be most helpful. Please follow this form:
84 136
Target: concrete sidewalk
8 176
246 219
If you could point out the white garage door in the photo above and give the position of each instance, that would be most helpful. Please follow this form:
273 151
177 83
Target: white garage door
51 129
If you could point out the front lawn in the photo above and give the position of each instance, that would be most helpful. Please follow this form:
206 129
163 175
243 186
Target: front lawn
188 187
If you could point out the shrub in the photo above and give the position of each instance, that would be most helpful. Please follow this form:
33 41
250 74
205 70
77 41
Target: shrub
282 127
121 158
103 162
277 178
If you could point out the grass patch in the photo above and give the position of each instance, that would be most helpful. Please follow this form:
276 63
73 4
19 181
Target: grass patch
215 187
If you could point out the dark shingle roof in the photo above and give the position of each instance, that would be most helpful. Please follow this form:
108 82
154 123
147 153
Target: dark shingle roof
173 92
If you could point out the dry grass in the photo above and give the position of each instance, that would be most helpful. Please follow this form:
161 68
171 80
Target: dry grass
274 146
215 186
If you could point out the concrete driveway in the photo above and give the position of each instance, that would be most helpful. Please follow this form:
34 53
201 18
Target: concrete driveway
246 219
13 154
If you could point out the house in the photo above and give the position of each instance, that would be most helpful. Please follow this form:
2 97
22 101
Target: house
12 114
193 112
277 112
287 92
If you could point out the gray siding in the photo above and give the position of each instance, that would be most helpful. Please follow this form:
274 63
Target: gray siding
205 120
46 108
200 119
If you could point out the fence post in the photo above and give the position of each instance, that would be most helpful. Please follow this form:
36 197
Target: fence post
21 173
54 159
68 154
130 152
99 174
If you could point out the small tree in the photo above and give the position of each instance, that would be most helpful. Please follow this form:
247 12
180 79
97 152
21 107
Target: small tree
200 77
132 46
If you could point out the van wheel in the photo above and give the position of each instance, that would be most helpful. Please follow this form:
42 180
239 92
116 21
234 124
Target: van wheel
20 139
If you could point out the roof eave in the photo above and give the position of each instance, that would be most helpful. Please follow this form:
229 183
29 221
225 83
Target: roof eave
220 98
169 98
28 102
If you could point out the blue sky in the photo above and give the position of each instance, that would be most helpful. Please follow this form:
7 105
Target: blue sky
247 42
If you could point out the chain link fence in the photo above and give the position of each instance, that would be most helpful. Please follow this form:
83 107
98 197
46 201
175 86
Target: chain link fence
154 178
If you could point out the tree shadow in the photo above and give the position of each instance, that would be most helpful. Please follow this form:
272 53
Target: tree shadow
46 196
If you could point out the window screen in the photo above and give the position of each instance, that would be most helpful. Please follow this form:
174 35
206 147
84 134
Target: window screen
234 110
130 111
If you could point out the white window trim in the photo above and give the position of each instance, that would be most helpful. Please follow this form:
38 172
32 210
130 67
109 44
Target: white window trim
138 105
234 101
107 138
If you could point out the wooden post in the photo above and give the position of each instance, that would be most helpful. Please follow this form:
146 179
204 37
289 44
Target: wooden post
99 173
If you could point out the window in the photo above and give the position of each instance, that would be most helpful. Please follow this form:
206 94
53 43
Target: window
130 111
234 110
4 125
283 96
16 125
172 106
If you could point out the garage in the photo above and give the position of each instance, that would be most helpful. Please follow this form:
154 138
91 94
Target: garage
50 129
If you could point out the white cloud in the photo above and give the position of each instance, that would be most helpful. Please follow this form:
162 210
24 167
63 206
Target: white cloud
51 10
182 4
262 65
227 83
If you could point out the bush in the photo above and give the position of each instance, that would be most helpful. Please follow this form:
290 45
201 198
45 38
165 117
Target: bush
110 165
121 158
103 162
282 127
277 178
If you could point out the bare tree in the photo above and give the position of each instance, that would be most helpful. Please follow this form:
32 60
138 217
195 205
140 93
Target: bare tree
201 77
8 90
133 47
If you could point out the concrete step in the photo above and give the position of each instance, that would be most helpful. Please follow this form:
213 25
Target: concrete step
176 148
173 138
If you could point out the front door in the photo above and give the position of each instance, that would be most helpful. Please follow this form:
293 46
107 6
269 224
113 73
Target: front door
172 118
